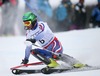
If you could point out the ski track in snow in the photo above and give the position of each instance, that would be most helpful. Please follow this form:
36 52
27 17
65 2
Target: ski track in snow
83 45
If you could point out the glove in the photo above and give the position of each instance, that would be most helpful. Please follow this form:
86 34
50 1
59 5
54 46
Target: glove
31 40
24 61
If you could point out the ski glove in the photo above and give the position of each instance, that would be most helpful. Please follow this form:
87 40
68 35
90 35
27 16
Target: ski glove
24 61
31 40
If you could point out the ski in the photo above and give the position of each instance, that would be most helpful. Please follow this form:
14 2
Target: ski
50 70
23 71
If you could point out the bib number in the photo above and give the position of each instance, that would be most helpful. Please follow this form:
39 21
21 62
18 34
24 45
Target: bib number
42 41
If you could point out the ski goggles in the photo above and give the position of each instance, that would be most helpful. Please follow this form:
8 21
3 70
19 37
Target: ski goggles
27 23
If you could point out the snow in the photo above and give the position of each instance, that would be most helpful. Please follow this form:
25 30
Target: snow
84 45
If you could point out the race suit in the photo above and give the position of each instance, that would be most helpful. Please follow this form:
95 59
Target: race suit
45 38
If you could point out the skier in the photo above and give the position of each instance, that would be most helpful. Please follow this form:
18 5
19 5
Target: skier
41 33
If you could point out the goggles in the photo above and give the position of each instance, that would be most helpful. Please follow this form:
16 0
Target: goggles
27 23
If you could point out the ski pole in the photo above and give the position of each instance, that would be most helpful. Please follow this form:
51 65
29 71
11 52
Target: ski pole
28 43
58 54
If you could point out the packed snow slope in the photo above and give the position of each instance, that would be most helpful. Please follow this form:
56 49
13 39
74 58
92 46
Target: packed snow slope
83 45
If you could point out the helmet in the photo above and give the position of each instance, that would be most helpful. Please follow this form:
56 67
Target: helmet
29 16
29 20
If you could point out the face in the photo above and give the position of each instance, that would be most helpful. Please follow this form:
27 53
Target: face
27 25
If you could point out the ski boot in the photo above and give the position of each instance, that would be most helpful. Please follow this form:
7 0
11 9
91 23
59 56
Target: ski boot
51 65
79 65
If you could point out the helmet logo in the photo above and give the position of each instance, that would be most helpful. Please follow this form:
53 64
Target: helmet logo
24 17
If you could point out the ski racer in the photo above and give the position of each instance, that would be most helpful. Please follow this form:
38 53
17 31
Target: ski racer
39 31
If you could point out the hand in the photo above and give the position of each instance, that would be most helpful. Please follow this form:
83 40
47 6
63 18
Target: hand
31 40
24 61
